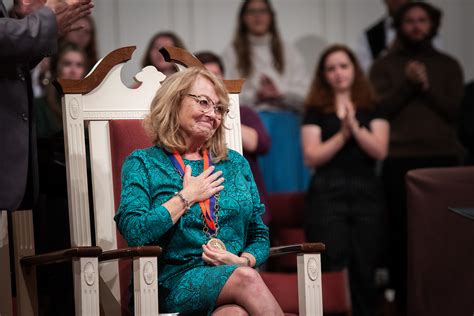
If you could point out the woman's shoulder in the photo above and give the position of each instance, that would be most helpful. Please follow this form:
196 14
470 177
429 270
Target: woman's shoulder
314 112
314 109
147 155
375 112
234 157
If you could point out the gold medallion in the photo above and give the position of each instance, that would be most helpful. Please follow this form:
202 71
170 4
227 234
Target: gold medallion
216 244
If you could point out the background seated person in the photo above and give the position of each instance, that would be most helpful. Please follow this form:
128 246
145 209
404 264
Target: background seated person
173 195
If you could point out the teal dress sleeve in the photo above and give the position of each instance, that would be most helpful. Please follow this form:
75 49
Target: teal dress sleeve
140 222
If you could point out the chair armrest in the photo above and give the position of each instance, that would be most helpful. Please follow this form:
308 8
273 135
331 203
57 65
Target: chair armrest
60 256
297 249
130 253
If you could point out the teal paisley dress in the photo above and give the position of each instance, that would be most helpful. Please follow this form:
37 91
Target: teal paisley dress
187 284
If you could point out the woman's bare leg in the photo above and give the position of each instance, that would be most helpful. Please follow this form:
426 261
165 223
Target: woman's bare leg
230 309
246 288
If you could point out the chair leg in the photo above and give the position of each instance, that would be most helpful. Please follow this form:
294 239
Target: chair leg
86 286
24 245
6 306
145 284
310 298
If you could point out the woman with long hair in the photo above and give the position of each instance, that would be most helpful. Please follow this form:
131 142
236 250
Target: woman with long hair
174 195
274 71
86 39
153 57
69 63
343 135
275 85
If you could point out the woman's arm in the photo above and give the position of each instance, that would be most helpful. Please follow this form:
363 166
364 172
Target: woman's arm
139 222
34 36
249 139
255 138
374 142
317 152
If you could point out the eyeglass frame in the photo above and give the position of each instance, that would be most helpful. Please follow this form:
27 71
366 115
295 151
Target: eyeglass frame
255 12
219 109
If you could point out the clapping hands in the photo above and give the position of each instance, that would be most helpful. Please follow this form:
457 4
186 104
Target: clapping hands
268 90
67 12
347 114
415 71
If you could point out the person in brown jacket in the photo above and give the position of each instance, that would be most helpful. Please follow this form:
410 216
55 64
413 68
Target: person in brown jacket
420 89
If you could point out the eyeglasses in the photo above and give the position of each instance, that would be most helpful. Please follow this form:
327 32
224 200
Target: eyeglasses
206 104
257 11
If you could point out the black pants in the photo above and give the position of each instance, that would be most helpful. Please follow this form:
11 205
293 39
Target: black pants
345 212
393 176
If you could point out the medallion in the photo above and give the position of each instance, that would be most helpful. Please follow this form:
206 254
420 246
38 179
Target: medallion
216 244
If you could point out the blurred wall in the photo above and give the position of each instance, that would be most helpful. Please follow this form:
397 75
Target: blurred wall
309 24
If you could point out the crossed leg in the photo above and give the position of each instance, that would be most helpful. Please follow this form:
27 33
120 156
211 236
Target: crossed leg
245 293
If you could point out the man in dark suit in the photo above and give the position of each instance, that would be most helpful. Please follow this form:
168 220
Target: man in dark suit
24 42
378 36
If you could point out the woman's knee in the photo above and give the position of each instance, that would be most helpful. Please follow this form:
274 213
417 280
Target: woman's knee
247 276
230 309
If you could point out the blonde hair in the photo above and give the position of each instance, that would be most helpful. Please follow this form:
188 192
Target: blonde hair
162 123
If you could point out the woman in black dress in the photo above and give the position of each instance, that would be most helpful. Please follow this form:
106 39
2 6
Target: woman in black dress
343 136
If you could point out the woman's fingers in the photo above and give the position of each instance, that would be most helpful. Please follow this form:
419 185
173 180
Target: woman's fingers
214 180
212 255
216 183
206 173
188 171
218 189
214 176
208 260
204 185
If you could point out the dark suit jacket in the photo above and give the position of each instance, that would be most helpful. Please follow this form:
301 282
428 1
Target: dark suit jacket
22 42
376 38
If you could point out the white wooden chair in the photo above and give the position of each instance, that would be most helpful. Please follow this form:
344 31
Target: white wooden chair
92 105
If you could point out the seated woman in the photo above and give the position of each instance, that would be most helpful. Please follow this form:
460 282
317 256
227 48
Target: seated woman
173 195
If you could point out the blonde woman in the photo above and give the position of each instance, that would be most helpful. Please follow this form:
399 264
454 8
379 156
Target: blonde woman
174 195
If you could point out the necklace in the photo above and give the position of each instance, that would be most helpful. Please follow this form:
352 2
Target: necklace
214 242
